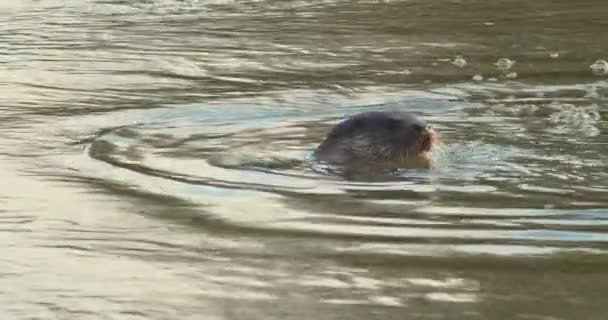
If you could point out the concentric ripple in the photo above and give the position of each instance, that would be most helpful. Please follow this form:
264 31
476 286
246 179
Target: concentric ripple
509 169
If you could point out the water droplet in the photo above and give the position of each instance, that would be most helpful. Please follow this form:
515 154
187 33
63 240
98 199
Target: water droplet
554 55
505 64
459 62
600 67
511 75
477 77
489 23
594 115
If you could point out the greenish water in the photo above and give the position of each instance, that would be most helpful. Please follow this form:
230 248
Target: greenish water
153 157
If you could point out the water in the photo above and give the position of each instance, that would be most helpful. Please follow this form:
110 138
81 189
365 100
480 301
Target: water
154 159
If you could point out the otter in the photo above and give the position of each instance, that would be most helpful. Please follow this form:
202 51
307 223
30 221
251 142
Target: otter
395 137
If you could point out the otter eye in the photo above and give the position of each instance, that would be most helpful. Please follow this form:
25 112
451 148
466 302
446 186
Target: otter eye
418 127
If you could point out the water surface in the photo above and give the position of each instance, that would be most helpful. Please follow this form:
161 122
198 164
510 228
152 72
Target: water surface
154 159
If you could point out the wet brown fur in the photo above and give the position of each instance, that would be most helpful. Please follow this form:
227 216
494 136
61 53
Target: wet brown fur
380 137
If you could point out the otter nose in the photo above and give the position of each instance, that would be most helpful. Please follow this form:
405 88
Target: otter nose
432 133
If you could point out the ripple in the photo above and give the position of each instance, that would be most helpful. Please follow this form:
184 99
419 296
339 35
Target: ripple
258 157
452 297
154 157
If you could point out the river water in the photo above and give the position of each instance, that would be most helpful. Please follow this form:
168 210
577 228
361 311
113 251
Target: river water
154 160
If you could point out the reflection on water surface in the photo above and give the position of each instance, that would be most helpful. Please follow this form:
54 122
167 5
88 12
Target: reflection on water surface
154 158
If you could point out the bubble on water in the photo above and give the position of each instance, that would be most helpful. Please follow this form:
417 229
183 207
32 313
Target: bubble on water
477 77
434 64
554 55
600 67
505 64
459 62
594 115
489 23
492 79
511 75
571 118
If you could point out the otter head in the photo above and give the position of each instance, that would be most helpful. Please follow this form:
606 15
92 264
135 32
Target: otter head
377 136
